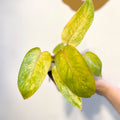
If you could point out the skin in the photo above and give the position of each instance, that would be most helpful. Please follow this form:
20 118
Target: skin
110 92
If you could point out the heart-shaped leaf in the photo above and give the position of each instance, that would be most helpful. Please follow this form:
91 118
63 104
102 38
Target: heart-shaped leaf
94 63
66 92
32 72
77 27
74 72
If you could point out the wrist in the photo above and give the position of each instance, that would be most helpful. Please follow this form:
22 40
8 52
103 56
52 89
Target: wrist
101 87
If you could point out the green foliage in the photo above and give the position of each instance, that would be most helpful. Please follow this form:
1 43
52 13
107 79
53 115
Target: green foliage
93 62
74 72
66 92
33 70
58 48
77 27
71 72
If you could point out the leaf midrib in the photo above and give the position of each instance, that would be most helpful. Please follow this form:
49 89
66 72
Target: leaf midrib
35 64
92 63
70 65
30 76
74 73
78 25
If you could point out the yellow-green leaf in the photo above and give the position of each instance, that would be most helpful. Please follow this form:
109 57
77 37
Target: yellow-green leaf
74 72
58 48
66 92
94 63
32 72
77 27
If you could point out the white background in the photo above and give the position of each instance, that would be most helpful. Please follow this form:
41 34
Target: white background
25 24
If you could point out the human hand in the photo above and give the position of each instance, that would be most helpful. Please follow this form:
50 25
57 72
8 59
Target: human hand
101 86
110 92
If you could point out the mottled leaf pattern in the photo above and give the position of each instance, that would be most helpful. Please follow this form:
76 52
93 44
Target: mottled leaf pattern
66 92
32 72
78 25
94 63
74 72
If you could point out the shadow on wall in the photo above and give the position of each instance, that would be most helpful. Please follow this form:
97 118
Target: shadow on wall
75 4
91 108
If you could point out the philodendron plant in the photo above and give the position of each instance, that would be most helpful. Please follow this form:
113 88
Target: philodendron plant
72 72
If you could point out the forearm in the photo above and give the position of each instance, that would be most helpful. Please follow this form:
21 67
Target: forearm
110 92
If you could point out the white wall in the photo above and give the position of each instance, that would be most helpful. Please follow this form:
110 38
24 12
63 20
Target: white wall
25 24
